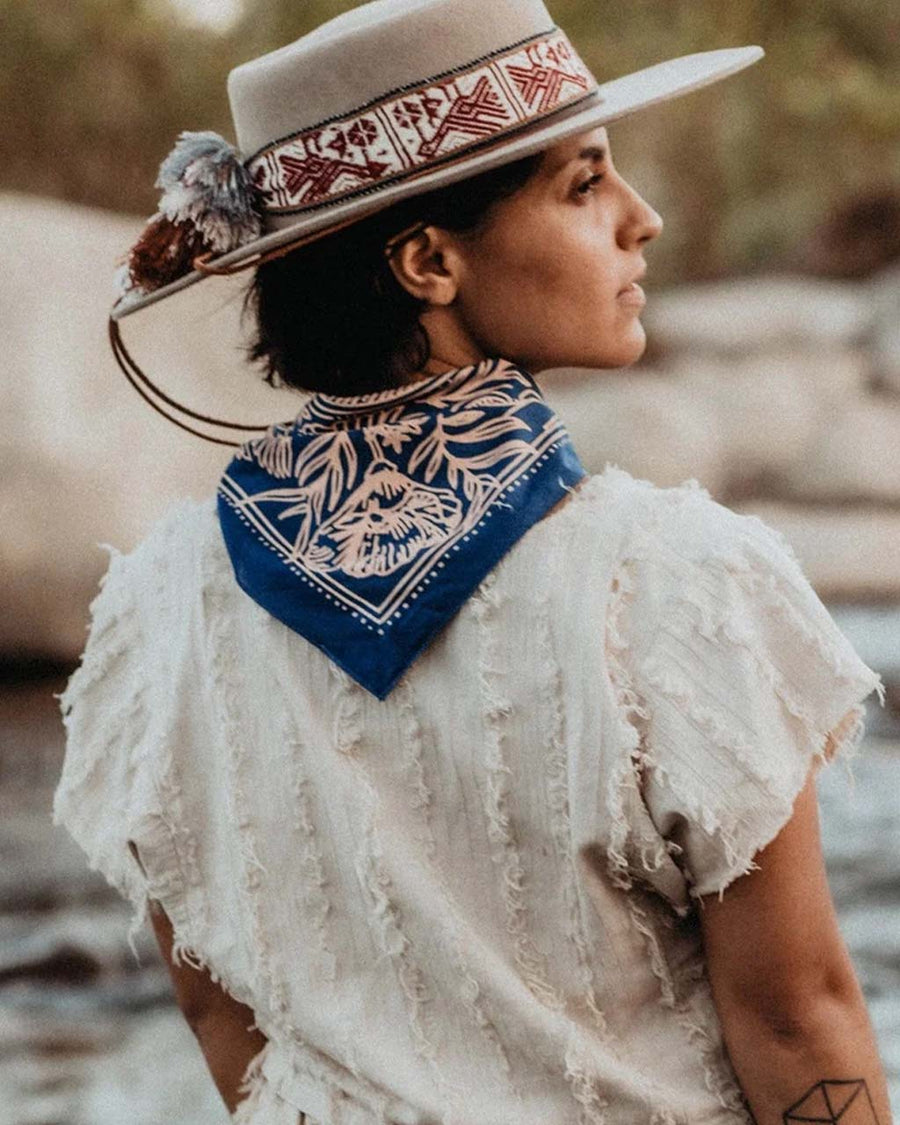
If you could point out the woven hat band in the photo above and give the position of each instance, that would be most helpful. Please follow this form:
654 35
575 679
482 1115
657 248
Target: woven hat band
412 130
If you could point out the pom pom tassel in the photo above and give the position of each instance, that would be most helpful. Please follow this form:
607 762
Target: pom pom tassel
164 251
205 183
209 205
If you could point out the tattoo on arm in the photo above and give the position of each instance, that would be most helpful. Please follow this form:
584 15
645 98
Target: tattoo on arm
833 1101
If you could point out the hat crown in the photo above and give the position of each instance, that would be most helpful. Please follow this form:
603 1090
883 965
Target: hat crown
366 54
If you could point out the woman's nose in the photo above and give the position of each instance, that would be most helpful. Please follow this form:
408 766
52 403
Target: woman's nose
640 223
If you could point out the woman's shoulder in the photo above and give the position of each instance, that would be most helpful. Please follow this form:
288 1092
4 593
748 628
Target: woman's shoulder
683 521
170 555
180 527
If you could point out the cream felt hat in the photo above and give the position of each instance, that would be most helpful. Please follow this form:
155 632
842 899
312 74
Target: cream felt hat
392 99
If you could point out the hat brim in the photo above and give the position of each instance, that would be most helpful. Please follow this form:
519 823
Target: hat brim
611 101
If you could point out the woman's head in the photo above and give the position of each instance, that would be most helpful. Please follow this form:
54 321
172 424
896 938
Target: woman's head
525 262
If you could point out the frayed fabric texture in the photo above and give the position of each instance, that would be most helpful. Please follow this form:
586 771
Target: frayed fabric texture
478 899
742 682
106 714
261 1105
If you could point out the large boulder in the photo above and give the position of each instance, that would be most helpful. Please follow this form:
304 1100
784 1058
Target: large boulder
650 424
857 457
848 553
753 314
84 459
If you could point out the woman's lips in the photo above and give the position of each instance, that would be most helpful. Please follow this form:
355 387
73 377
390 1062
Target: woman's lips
632 295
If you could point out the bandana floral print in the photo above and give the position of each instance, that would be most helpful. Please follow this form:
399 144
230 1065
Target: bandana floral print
366 522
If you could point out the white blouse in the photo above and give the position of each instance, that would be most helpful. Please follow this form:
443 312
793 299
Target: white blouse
474 902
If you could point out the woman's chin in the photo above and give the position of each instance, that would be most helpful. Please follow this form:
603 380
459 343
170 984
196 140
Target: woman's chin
605 354
628 349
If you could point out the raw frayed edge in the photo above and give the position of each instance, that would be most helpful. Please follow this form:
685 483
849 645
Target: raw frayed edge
421 797
505 854
847 745
349 729
315 882
260 1098
395 943
632 717
583 1083
720 1084
264 986
766 588
679 693
557 774
398 947
421 802
114 633
471 998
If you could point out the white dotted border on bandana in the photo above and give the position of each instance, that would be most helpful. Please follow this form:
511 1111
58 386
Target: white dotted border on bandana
517 483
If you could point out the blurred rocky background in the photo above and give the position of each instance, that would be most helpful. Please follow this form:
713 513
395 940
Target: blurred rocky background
772 376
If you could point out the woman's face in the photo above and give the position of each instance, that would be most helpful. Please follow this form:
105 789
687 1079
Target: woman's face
543 285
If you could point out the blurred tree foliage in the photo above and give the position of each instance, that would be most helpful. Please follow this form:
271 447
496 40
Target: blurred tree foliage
96 91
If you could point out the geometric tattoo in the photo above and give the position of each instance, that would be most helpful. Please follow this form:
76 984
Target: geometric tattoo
844 1100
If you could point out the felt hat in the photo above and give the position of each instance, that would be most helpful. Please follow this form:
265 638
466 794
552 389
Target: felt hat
389 100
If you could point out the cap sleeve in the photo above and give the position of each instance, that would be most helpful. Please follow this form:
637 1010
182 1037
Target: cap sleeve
106 794
738 677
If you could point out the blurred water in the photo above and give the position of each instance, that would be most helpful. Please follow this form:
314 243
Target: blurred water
87 1037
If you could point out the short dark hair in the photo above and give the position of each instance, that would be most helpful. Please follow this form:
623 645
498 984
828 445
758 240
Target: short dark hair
331 316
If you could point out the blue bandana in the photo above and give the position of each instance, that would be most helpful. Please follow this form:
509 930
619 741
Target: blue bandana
367 522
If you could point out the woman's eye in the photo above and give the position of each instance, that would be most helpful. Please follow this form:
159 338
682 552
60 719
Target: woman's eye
587 187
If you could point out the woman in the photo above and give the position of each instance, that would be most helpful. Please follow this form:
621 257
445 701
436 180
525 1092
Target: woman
465 786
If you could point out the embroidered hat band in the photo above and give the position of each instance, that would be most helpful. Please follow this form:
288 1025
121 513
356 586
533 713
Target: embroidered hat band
414 130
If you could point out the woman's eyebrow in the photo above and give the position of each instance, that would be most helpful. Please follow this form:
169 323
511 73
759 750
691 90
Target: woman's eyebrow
592 152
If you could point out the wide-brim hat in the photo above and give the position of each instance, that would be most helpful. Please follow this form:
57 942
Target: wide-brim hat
390 100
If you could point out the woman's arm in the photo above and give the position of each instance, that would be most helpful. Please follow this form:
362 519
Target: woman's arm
792 1011
219 1023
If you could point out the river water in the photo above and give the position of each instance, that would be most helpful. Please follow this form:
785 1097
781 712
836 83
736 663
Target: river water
88 1037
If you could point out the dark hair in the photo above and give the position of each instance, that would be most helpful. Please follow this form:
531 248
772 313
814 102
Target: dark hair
331 316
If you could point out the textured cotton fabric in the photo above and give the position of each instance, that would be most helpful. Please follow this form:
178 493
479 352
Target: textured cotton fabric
477 900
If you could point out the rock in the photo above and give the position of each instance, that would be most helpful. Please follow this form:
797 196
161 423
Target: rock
856 457
129 1089
885 294
44 960
726 421
770 406
649 424
86 460
105 1071
757 314
762 384
887 353
848 553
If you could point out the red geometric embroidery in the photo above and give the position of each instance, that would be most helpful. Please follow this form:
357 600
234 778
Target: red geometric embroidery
475 116
405 134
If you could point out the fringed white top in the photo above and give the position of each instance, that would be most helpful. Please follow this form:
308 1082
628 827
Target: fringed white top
475 901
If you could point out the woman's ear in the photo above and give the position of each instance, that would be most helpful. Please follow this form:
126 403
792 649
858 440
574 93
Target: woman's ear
428 266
